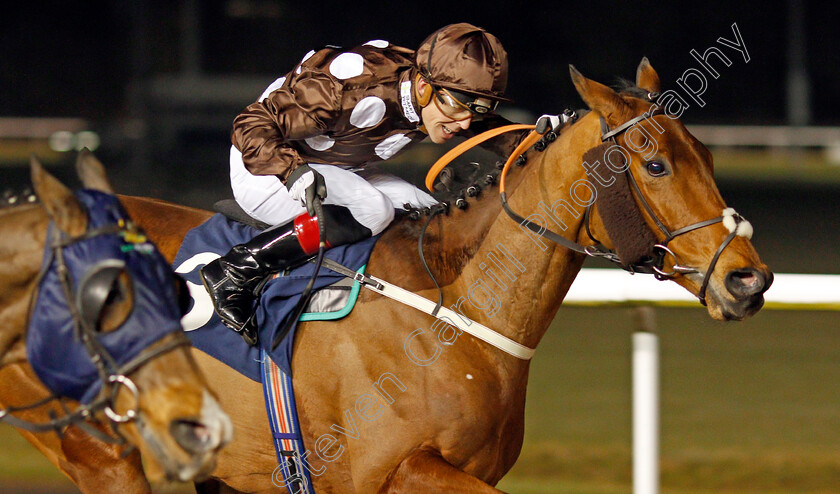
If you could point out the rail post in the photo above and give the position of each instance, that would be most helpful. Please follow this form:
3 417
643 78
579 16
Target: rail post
645 403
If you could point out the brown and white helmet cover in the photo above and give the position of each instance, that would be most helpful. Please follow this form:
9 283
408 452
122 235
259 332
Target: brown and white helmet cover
465 58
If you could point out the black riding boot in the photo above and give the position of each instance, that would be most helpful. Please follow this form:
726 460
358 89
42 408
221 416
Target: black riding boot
233 279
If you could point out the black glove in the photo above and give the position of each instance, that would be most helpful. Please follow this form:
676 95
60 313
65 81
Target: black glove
305 184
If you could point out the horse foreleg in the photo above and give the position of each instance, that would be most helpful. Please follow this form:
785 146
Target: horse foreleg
426 471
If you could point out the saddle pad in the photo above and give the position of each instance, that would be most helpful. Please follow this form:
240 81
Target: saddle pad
214 238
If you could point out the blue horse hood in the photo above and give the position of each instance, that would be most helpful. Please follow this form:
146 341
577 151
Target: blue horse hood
54 347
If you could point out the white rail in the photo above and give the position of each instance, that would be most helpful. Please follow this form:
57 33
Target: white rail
612 286
766 135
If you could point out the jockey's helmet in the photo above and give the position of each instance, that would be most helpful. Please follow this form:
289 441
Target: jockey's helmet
466 61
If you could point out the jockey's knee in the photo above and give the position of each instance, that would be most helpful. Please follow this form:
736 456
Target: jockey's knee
377 214
383 220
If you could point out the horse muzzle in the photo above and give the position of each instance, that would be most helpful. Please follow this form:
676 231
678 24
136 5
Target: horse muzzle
747 287
202 438
199 440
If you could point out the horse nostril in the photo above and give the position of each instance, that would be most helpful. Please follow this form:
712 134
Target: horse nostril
191 435
745 282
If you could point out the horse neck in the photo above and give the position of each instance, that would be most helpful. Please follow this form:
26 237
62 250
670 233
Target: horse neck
515 282
21 252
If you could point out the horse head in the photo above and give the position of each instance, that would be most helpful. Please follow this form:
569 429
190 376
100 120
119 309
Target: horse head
99 318
690 236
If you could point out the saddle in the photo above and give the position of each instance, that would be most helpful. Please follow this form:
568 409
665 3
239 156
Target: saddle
234 212
280 296
331 302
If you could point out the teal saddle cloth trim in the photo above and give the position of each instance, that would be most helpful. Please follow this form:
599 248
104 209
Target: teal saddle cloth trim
348 303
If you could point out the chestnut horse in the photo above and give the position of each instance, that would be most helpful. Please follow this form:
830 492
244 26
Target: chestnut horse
152 392
389 404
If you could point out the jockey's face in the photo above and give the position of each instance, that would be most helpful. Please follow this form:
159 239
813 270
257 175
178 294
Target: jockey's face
440 127
441 121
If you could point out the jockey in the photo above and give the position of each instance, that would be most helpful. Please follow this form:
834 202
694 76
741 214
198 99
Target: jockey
314 133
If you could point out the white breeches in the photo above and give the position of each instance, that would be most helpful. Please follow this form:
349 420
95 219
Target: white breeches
369 194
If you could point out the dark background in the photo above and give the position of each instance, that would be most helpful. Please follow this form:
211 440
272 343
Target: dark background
81 58
78 58
161 81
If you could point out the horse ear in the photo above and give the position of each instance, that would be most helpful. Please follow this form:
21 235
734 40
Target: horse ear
646 77
58 200
600 98
92 172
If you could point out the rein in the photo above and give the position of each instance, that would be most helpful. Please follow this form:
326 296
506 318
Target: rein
463 147
111 375
517 156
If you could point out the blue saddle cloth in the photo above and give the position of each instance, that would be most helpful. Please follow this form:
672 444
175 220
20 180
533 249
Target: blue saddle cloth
280 295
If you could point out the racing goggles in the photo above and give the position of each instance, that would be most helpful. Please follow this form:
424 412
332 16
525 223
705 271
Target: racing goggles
460 106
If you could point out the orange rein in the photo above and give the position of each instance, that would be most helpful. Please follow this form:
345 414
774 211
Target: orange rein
529 141
470 143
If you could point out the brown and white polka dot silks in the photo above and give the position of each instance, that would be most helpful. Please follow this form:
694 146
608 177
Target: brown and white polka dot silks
339 107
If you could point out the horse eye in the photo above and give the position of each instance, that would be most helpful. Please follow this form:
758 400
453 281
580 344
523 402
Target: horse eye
117 305
656 169
116 294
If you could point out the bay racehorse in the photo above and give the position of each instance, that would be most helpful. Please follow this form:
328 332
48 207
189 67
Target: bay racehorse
90 314
387 402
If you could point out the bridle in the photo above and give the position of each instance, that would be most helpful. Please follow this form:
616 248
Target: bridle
84 306
655 265
661 249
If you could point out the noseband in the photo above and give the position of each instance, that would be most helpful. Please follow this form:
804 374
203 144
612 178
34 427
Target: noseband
735 223
84 304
